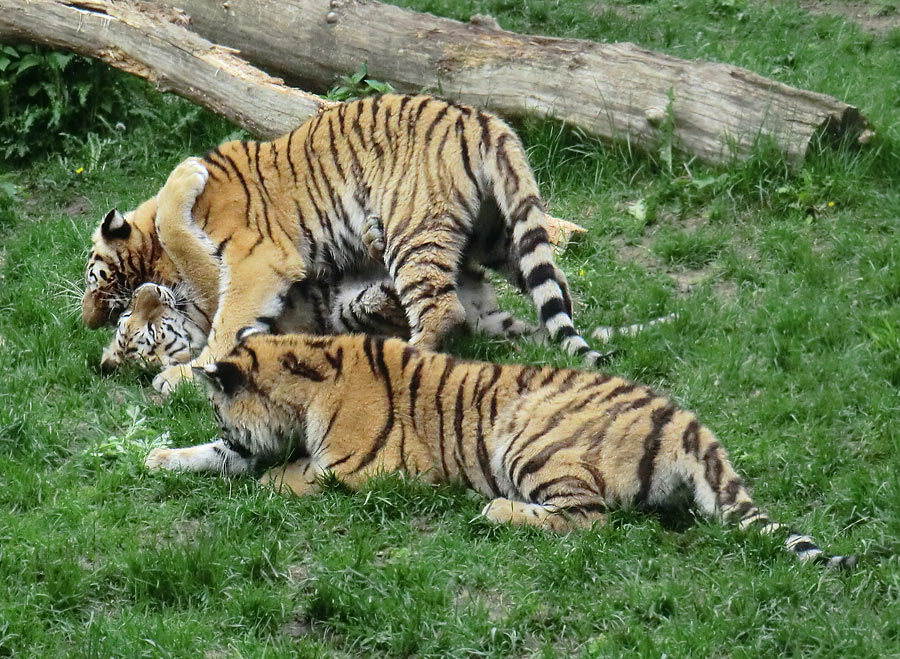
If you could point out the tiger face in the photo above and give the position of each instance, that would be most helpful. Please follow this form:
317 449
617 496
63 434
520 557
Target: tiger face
123 254
153 331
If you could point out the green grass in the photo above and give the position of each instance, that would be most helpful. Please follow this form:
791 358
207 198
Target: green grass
787 287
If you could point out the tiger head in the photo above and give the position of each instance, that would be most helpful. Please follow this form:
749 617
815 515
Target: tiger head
125 253
153 331
263 389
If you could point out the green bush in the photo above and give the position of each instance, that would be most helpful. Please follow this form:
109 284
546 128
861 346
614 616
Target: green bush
45 93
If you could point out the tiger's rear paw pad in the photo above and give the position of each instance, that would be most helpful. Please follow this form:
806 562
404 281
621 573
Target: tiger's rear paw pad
185 184
373 237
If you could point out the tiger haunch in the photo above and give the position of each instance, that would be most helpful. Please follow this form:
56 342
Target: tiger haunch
551 447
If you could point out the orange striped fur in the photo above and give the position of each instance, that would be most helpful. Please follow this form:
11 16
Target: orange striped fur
550 447
450 185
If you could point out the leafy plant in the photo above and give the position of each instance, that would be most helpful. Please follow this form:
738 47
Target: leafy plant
44 93
357 85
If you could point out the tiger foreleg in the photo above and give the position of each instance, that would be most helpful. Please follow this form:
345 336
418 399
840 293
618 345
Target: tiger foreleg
216 457
299 477
545 516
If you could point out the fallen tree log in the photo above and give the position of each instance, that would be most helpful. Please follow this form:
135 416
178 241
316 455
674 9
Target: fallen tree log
616 91
153 42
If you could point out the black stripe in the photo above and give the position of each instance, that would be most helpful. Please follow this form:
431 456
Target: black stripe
458 423
464 151
531 240
484 120
659 418
714 466
339 461
551 308
438 395
521 210
336 361
690 438
435 121
729 494
540 274
803 546
237 448
414 383
332 145
290 155
408 352
385 432
297 367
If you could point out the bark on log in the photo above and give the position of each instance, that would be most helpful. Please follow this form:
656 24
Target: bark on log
152 42
616 91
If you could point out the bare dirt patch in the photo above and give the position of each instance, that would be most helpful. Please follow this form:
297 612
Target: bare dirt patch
877 17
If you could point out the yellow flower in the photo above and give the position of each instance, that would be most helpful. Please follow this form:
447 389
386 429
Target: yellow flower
581 273
830 204
79 170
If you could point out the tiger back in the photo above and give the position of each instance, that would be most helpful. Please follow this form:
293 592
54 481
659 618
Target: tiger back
555 448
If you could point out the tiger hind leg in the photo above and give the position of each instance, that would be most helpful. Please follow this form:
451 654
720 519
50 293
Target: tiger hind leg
373 237
483 312
424 274
370 307
545 516
299 477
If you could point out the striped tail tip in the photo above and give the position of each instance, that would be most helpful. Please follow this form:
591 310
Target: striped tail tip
807 550
848 562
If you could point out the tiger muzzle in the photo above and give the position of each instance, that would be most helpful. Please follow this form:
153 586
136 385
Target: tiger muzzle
93 313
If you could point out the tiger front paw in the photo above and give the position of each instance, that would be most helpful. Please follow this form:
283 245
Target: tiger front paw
166 381
160 458
184 185
373 237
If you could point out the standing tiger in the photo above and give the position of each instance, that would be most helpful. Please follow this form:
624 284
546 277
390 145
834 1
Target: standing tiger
451 185
552 447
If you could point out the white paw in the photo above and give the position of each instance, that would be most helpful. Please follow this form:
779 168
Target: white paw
159 458
169 378
183 186
373 237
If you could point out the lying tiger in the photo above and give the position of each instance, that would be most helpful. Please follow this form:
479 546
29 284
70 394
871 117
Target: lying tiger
553 448
451 185
156 330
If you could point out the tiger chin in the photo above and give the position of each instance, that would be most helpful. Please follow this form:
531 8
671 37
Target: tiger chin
553 448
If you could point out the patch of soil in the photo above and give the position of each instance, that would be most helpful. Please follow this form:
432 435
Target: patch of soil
623 11
684 280
492 602
78 206
296 628
879 18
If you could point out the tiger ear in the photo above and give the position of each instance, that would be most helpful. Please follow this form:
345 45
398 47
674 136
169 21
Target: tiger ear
115 226
244 332
147 301
222 376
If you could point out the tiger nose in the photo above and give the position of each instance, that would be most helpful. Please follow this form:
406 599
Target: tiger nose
92 314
